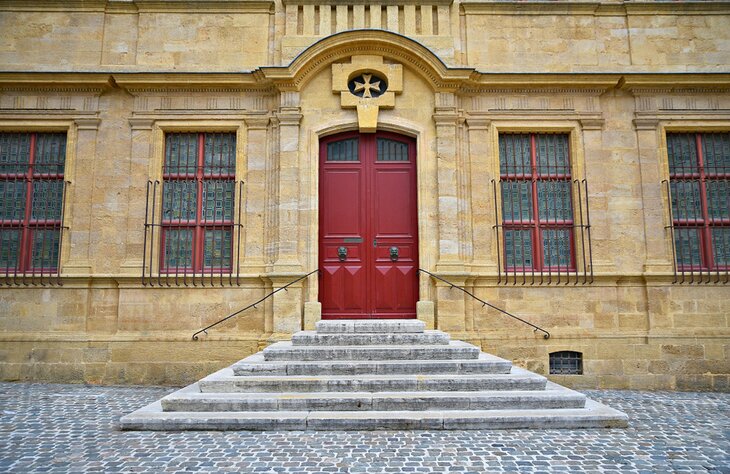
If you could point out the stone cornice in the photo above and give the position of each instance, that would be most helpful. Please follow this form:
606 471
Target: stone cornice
517 82
208 6
696 7
598 8
54 5
150 6
137 82
679 82
56 81
268 80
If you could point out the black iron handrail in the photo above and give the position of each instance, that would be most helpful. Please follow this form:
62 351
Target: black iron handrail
253 305
484 303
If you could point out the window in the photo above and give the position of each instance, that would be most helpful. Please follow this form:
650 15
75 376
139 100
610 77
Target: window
566 363
699 178
537 211
31 201
197 202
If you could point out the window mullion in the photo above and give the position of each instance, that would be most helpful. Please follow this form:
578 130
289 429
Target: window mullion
199 236
706 240
537 233
25 238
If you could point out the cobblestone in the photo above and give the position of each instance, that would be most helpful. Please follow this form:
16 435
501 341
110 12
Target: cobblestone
73 428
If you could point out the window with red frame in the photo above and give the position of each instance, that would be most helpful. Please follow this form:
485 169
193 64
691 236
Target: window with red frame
197 202
31 201
699 178
537 210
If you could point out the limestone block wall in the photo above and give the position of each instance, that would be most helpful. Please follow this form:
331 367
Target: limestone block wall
138 70
564 36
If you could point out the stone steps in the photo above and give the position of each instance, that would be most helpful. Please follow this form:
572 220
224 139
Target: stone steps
312 338
191 399
371 375
453 350
392 326
484 364
593 415
225 381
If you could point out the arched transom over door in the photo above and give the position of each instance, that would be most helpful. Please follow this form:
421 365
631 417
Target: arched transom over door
368 239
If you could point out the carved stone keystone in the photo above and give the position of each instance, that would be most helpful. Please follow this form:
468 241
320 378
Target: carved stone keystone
367 83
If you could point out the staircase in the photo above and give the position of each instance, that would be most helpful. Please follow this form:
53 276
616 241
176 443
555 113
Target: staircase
368 375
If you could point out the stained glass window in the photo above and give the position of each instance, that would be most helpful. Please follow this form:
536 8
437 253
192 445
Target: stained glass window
198 201
699 176
31 201
537 208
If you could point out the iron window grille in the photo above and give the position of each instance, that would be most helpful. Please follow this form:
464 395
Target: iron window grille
566 363
191 211
32 196
539 227
699 206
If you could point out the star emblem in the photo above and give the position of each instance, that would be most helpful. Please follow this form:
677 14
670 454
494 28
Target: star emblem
367 87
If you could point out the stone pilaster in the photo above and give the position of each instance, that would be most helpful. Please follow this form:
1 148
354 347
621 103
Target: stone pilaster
80 194
446 119
140 153
287 308
658 250
482 196
597 168
255 195
289 118
450 309
451 305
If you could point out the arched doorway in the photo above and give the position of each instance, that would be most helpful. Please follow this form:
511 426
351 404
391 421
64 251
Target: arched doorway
368 226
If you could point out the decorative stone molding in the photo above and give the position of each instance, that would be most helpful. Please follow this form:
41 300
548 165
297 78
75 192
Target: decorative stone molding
141 123
376 81
366 42
87 123
591 123
646 123
257 122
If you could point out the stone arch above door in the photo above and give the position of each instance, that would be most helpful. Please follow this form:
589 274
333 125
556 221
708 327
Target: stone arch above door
391 46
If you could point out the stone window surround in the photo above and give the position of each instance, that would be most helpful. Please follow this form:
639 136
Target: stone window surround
574 130
156 159
652 129
71 128
665 127
26 239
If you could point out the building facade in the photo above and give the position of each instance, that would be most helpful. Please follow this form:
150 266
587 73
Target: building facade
165 163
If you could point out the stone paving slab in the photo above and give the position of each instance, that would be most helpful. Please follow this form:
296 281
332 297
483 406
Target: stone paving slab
74 428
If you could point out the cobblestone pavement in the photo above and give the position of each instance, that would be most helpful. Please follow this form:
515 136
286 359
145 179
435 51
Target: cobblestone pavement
74 428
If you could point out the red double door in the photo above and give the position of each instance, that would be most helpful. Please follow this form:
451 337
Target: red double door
368 240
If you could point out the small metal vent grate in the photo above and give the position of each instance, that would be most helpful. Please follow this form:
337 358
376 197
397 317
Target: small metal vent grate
566 363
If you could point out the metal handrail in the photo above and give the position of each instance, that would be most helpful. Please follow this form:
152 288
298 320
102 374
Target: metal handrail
484 303
253 305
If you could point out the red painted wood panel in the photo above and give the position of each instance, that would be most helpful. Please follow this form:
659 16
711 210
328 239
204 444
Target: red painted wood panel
368 205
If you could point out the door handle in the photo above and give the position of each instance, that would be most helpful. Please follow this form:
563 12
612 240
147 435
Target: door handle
394 254
342 253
